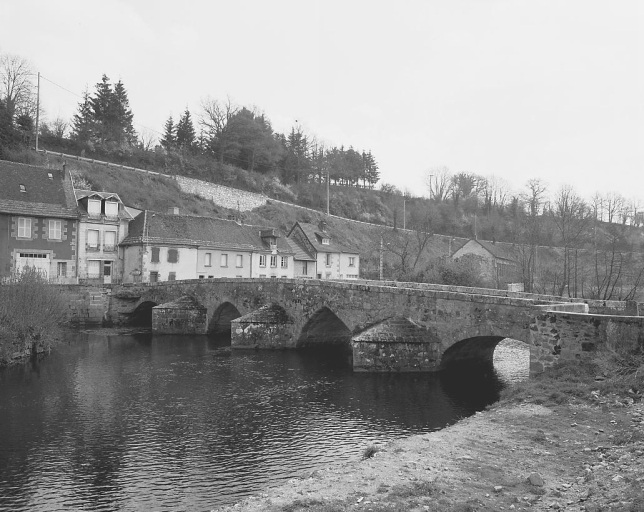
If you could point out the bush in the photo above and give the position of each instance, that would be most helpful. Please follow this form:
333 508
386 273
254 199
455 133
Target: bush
31 312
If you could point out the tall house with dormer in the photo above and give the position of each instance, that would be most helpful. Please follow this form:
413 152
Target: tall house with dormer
103 226
319 255
38 222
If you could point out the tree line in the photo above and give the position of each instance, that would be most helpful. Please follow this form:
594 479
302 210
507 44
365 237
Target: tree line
225 132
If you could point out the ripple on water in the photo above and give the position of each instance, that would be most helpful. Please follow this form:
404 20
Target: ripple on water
124 423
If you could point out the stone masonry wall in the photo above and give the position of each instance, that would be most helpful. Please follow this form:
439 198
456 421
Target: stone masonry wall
563 336
221 195
87 305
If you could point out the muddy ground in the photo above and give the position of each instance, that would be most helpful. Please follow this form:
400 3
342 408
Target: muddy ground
582 456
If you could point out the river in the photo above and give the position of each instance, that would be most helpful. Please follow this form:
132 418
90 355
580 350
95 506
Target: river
128 422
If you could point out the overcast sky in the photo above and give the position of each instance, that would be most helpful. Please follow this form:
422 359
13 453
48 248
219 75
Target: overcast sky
510 88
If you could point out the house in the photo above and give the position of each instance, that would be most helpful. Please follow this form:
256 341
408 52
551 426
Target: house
169 246
320 255
38 222
499 264
102 227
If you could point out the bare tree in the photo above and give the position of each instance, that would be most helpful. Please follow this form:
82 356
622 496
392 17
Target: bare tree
59 127
439 183
572 218
16 84
147 139
214 119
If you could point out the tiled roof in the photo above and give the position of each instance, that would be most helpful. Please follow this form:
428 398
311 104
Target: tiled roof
163 228
500 250
315 235
42 197
298 252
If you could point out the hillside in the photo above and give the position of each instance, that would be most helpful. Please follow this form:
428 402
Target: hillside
407 255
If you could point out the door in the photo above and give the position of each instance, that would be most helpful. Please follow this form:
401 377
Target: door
38 262
107 272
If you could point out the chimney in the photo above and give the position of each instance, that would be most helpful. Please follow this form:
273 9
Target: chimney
173 210
322 225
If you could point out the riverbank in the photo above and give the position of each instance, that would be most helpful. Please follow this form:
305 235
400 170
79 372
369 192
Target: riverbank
585 454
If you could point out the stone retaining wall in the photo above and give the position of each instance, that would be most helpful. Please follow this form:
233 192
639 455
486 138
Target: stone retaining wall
221 195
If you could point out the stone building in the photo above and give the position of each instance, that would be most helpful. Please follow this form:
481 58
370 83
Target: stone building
499 264
38 222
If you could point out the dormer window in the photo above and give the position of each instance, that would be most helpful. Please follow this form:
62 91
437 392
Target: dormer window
111 209
23 189
325 241
94 207
50 176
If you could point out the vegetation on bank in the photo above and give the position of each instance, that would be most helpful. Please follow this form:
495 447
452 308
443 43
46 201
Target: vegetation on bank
31 314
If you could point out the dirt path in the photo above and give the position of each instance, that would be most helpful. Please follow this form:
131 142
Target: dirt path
528 457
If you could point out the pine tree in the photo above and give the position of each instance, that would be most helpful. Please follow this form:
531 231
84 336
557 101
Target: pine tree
83 121
169 139
185 131
123 129
101 104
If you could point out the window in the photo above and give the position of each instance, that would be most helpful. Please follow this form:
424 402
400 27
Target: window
273 260
155 255
50 176
24 227
262 260
172 276
325 241
111 209
23 189
240 260
207 260
224 260
284 262
210 277
154 277
55 229
328 259
92 239
305 269
262 276
93 269
109 242
352 261
201 276
94 207
62 269
173 255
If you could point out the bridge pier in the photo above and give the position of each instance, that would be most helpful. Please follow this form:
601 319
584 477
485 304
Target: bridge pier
267 328
395 345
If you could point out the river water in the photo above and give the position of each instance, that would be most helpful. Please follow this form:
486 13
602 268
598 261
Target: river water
136 422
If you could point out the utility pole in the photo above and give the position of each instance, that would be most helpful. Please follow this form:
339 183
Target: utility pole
37 110
328 188
380 262
430 185
404 211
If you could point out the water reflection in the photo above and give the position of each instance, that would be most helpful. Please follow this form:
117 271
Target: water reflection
175 423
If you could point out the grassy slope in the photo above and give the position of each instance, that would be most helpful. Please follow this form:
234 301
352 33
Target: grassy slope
146 191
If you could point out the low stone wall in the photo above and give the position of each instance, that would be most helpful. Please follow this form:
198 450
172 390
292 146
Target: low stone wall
87 305
221 195
563 336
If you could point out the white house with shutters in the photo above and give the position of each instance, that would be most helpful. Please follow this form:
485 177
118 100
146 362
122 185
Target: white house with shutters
169 246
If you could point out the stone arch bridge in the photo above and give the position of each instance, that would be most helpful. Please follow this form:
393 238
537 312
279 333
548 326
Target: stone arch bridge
387 326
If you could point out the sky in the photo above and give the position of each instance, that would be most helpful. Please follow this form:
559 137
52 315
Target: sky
510 89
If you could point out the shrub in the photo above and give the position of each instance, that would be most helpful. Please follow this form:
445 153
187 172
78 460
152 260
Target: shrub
31 312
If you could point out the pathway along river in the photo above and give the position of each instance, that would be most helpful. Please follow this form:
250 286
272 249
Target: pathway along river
135 422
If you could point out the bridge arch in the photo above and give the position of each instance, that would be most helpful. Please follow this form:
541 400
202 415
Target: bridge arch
219 322
141 315
324 327
477 350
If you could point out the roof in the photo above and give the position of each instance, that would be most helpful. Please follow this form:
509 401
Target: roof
298 252
499 251
169 229
315 235
124 212
47 192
